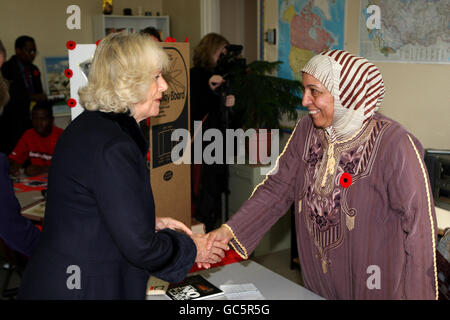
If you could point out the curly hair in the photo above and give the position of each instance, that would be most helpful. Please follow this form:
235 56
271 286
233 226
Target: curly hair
208 45
123 68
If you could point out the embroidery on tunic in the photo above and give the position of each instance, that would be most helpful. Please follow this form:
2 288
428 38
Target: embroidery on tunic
325 206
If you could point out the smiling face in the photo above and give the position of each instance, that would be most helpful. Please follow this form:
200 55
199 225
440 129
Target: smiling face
150 107
318 100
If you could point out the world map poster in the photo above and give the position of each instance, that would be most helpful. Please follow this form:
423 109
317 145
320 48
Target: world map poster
308 27
414 31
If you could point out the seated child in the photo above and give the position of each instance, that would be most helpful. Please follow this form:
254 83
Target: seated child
36 144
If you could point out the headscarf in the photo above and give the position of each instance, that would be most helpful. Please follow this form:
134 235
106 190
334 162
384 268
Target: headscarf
356 85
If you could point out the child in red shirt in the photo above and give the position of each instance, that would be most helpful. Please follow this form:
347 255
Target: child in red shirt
37 143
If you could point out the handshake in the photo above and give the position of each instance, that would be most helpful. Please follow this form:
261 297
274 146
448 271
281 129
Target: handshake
211 247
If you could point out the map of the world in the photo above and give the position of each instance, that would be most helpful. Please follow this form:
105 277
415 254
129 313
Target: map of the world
416 31
308 27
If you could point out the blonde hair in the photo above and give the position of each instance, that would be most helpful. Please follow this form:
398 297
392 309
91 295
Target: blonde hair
123 68
204 51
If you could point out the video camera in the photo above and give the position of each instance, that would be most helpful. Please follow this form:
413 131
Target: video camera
230 64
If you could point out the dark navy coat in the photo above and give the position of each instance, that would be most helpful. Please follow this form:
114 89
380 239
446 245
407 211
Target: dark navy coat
17 232
99 239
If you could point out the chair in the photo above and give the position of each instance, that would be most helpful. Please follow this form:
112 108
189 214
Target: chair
15 263
443 266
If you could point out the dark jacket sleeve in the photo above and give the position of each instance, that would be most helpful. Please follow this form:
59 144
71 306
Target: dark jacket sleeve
18 232
411 197
126 206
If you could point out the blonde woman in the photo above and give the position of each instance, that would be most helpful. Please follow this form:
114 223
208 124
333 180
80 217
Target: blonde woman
101 239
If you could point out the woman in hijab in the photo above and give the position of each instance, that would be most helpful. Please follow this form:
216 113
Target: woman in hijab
364 215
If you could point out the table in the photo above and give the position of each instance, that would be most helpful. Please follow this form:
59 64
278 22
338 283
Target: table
443 220
271 285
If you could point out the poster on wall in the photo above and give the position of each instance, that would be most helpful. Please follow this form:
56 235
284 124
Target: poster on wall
56 83
307 27
414 31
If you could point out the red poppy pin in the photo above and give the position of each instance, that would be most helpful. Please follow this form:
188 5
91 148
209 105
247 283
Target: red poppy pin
36 73
71 45
68 73
71 103
346 180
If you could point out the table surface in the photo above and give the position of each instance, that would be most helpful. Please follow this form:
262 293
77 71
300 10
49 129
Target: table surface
271 285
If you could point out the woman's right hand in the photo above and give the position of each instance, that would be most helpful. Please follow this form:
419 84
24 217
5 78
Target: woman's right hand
215 81
207 255
221 235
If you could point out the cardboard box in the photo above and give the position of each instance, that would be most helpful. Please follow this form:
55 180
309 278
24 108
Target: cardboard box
171 183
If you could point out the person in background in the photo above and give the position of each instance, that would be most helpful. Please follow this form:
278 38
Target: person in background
37 144
206 107
18 232
364 213
25 88
152 32
4 88
100 210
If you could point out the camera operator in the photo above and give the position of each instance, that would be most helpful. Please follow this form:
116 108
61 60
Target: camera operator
208 181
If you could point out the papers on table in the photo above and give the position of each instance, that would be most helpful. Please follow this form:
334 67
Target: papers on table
246 291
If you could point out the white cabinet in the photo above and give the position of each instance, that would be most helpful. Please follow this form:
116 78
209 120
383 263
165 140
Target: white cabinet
104 24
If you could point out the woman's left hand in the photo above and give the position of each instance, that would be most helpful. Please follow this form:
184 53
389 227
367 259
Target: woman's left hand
230 101
169 223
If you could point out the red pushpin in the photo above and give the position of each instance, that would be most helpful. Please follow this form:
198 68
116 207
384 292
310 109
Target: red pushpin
98 42
346 180
71 45
68 73
71 103
186 40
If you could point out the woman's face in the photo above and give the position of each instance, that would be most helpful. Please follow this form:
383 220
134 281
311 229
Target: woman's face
150 107
318 100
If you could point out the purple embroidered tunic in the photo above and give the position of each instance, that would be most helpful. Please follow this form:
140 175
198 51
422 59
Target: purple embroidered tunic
373 240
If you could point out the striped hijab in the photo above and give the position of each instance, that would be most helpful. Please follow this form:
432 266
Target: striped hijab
356 85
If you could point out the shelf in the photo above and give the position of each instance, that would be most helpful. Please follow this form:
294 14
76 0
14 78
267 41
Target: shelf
132 23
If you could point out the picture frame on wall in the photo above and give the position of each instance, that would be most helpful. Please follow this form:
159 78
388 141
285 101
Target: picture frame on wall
57 85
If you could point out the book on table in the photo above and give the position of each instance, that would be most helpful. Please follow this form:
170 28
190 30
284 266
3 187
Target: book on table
193 288
156 286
